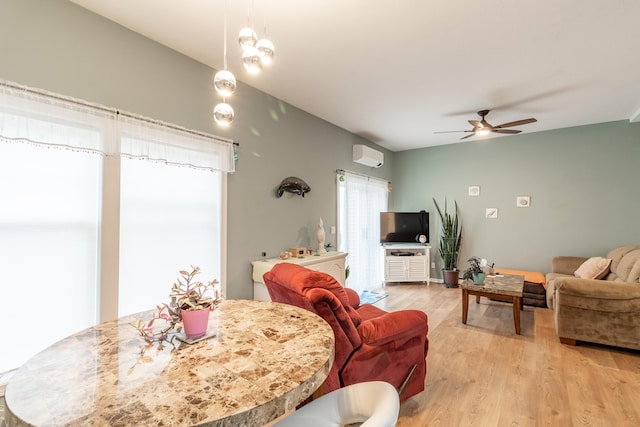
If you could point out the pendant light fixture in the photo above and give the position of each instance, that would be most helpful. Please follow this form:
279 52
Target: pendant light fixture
265 46
267 50
251 59
225 84
247 38
223 114
255 53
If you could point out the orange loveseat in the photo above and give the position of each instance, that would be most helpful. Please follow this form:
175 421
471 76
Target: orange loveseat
370 343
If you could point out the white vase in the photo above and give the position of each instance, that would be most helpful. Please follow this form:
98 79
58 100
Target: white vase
321 236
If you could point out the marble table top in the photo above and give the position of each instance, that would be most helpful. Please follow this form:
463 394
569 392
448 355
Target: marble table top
507 284
265 359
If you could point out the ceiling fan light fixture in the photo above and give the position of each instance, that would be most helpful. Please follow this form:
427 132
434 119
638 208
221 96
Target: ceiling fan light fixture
482 132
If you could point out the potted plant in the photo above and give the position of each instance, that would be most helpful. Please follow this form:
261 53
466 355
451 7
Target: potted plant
474 271
450 241
191 302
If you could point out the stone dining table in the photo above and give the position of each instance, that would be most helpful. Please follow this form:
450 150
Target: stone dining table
265 359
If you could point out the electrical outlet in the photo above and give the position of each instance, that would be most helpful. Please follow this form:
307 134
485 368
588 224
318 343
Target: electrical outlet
433 265
333 229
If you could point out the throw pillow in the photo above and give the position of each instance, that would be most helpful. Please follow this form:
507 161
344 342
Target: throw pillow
594 268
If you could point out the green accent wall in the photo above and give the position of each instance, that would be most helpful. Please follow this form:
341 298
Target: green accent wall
583 183
60 47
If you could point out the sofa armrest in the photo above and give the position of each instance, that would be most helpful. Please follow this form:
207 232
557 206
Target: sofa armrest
597 289
566 264
394 326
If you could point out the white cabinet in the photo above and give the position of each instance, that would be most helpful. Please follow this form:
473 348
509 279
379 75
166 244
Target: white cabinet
332 263
406 263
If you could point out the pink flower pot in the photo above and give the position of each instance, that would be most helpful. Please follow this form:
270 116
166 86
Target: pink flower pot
195 322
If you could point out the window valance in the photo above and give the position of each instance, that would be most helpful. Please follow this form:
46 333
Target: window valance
42 118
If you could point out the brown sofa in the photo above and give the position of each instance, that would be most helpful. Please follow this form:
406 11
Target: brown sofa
605 311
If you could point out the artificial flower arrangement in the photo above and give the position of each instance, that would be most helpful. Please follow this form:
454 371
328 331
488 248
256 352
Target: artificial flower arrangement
186 295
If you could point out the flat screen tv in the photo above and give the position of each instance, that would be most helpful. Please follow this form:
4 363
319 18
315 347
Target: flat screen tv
404 227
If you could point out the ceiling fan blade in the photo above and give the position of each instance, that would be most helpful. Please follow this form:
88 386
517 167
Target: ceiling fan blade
468 136
516 123
476 123
453 131
510 131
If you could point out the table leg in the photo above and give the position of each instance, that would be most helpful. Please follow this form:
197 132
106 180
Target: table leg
477 299
465 305
517 302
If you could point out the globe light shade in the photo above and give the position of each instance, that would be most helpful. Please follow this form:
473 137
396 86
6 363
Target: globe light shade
247 38
267 50
223 114
224 82
252 60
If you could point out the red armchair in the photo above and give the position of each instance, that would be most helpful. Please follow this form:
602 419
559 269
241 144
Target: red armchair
371 344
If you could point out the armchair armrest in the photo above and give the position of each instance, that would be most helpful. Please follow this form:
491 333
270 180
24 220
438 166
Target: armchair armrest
566 264
397 325
354 298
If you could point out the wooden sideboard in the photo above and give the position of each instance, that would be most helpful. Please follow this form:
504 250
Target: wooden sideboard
332 263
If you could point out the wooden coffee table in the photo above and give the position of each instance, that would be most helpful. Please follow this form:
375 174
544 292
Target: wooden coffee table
502 287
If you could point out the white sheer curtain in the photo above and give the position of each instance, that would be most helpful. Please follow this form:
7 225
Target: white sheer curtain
52 180
141 138
56 121
360 201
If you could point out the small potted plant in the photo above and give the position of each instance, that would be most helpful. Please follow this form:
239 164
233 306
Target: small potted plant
191 302
474 271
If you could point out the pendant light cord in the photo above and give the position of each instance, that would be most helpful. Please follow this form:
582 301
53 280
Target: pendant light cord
264 11
224 50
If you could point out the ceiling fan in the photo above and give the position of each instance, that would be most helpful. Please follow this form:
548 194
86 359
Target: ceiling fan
481 127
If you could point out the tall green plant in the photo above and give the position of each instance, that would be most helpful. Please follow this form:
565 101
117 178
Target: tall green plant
450 236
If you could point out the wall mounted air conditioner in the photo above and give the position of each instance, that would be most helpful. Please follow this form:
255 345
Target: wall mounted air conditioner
367 156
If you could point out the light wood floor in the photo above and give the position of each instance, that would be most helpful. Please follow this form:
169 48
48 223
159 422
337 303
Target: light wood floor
483 374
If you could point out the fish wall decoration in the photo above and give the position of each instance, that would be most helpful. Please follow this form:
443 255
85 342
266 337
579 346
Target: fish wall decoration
294 185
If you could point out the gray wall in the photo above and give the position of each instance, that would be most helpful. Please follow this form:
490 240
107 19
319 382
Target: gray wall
60 47
583 183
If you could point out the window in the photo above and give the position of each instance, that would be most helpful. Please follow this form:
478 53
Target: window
56 192
170 219
49 222
360 201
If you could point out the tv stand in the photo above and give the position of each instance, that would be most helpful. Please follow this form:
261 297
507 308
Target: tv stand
406 263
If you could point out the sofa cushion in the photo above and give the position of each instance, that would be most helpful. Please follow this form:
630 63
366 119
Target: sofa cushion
594 268
625 264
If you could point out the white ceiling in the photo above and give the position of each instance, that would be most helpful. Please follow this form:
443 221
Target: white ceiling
397 71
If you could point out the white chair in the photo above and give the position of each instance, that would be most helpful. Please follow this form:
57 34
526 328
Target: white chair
372 403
